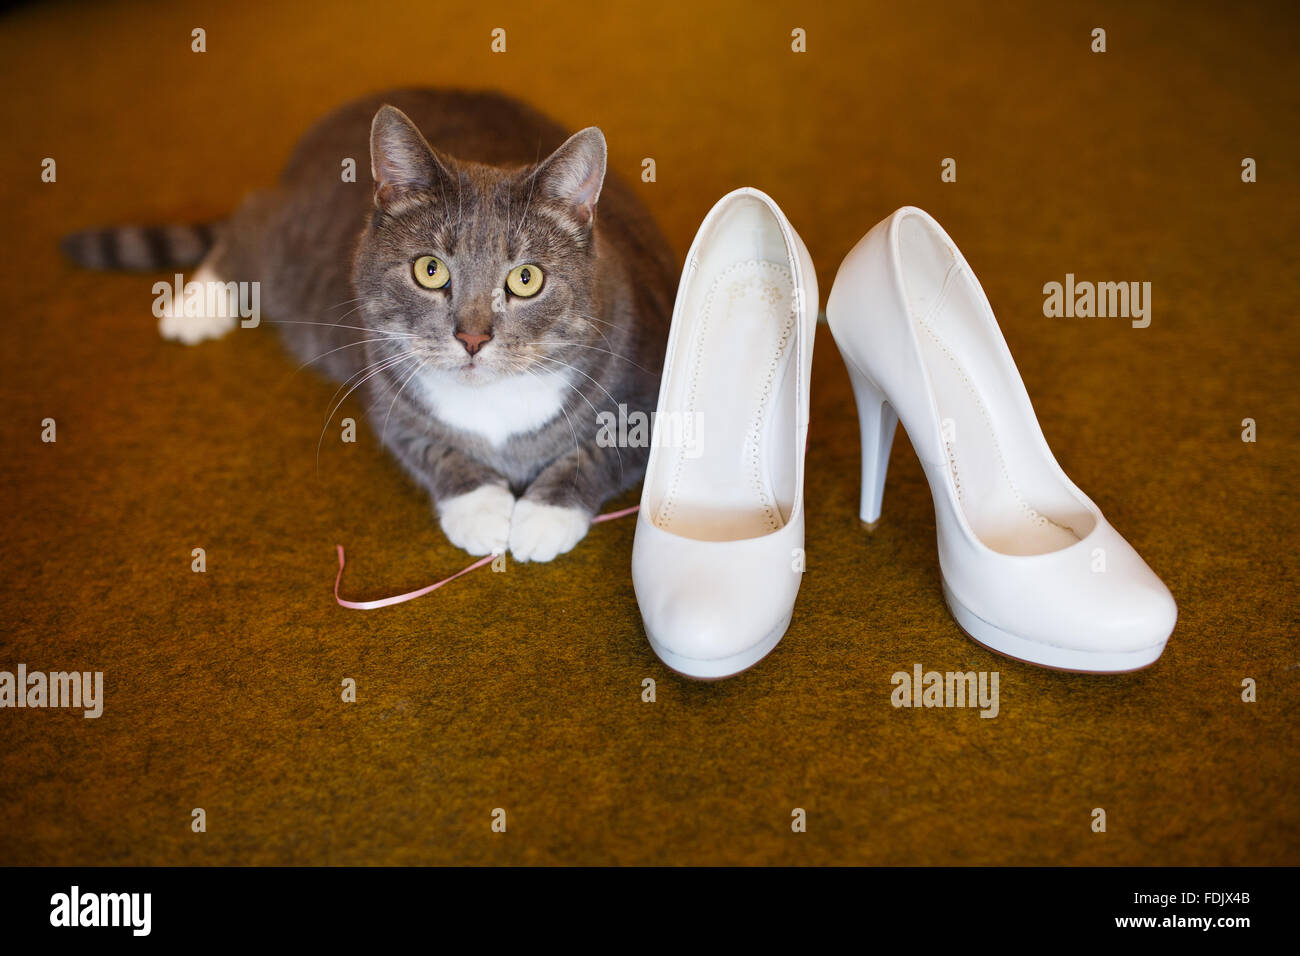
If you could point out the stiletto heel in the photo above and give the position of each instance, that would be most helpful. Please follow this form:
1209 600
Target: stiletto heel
1030 567
877 420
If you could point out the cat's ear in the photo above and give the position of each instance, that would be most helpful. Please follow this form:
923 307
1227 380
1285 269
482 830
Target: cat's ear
402 162
573 174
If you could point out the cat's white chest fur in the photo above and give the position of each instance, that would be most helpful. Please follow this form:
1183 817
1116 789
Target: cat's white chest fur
513 405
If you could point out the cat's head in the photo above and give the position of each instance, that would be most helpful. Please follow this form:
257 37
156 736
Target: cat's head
485 272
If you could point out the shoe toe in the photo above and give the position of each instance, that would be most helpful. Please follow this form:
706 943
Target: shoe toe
1139 613
703 620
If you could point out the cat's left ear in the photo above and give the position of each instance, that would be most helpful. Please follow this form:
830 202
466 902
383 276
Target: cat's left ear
573 174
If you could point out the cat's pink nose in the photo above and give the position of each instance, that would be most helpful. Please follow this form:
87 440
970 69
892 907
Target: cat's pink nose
473 341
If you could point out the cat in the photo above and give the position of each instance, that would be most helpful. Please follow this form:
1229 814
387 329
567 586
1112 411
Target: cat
475 294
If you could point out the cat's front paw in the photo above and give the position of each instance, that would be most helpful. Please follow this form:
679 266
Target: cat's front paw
539 532
478 521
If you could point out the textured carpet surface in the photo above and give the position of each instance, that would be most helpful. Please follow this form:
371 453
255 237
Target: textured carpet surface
523 690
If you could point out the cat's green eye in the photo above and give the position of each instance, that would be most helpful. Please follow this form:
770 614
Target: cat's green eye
431 272
524 281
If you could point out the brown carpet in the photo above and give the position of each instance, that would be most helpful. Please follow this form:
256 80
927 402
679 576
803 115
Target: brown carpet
523 690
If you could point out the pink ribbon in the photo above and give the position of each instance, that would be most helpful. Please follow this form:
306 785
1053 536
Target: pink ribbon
421 592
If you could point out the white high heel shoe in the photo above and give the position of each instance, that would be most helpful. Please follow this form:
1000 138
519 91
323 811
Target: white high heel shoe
718 553
1030 567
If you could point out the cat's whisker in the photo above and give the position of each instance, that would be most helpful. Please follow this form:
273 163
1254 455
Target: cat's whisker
350 345
339 325
384 432
591 318
386 387
594 348
361 371
312 361
460 197
617 403
547 358
599 330
577 453
596 323
355 308
442 190
362 376
593 408
383 367
532 181
338 305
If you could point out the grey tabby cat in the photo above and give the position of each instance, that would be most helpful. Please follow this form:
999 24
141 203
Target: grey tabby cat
481 302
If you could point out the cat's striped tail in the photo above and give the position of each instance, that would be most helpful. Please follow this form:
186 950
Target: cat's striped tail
139 248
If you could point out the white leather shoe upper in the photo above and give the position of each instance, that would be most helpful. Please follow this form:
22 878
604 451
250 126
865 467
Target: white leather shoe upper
717 557
1030 565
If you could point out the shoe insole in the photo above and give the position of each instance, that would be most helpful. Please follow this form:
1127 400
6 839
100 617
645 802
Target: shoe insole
733 478
989 494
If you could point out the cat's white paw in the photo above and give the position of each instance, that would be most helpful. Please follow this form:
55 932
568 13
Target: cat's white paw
176 326
479 521
539 532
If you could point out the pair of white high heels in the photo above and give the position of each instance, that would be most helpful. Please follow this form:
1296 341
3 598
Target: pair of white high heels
1030 567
